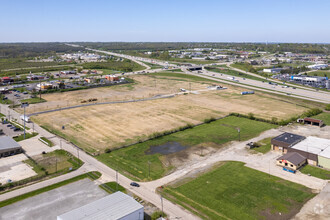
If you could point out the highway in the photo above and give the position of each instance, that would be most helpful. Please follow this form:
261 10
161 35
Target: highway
299 92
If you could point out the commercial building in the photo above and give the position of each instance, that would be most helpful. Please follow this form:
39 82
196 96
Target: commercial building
273 70
112 78
317 66
291 161
9 146
115 206
284 141
312 148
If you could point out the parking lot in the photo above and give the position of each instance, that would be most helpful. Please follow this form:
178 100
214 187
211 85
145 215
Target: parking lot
10 130
50 204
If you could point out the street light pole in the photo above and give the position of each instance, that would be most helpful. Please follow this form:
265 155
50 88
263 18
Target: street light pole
239 134
24 105
161 200
149 169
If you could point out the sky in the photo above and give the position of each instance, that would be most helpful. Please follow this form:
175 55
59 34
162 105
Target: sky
293 21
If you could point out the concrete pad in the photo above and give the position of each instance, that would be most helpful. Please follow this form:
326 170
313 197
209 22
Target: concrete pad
50 204
16 172
33 146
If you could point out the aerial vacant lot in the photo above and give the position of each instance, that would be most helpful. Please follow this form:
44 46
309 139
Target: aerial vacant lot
233 191
109 126
169 151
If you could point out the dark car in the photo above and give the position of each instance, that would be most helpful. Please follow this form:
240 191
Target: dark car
16 129
135 184
9 125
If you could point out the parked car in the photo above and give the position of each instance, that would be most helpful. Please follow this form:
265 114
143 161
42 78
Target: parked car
16 129
135 184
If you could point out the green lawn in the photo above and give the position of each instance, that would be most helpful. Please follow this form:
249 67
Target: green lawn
92 175
320 73
27 136
183 76
233 191
133 162
264 145
153 65
111 187
174 70
325 117
315 171
33 100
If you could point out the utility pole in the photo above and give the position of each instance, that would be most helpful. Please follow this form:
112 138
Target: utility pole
161 200
24 105
56 164
60 143
117 179
239 134
149 168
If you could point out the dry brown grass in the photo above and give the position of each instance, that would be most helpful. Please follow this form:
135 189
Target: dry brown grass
109 126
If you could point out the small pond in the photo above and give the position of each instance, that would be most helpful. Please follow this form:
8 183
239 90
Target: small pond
167 148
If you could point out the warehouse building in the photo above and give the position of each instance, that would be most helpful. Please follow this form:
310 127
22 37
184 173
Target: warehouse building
312 148
9 146
115 206
292 161
284 141
324 158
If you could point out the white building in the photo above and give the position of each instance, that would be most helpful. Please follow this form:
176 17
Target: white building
273 70
112 207
317 66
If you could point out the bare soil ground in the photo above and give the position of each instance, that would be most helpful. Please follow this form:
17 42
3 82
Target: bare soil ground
109 126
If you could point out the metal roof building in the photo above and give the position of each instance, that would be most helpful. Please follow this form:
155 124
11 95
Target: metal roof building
115 206
313 148
9 146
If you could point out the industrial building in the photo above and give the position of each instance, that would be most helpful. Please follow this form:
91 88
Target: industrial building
317 66
9 146
273 70
312 148
291 160
284 141
115 206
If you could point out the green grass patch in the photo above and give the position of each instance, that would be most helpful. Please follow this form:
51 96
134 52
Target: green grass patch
323 73
233 191
91 175
316 172
58 161
264 145
112 187
174 70
182 76
27 136
325 117
48 142
153 65
133 161
34 100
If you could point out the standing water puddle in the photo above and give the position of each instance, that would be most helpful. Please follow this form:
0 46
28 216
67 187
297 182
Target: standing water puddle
168 148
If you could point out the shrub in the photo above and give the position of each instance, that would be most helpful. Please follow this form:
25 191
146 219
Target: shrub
108 150
327 107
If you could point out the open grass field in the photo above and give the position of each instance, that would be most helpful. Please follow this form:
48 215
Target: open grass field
109 126
315 171
320 73
325 117
133 160
233 191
